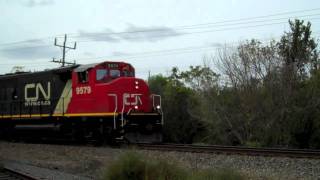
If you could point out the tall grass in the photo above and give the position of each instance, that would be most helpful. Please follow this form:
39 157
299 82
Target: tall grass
134 166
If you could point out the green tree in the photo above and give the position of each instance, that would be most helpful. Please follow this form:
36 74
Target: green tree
299 50
178 103
270 96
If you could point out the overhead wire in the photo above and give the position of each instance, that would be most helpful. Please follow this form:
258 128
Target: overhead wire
157 53
180 50
179 34
175 51
222 23
101 34
206 31
256 17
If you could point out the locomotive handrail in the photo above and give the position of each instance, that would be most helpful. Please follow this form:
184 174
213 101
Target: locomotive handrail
160 109
153 100
115 109
162 121
122 111
129 112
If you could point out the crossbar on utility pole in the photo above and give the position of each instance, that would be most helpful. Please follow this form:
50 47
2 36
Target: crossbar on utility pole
64 47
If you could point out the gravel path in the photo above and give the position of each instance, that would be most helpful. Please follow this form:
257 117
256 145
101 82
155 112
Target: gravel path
91 161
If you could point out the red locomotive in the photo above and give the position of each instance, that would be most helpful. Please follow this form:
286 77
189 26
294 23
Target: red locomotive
101 101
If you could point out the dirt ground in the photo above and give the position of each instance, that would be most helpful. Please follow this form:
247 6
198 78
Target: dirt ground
79 160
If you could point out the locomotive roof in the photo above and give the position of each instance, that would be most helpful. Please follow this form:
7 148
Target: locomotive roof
85 67
55 70
77 68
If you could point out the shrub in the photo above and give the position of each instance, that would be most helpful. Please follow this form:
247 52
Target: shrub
129 166
133 166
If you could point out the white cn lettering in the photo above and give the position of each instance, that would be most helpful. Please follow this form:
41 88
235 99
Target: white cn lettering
38 88
136 97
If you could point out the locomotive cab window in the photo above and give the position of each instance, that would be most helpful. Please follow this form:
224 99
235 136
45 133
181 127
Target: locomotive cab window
83 77
101 74
114 73
126 73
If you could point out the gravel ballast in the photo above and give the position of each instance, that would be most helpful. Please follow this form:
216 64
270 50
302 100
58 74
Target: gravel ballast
90 162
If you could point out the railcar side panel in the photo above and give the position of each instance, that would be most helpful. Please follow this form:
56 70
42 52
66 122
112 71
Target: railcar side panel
32 94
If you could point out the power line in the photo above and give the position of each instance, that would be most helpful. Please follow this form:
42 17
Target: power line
185 33
256 17
249 22
177 51
166 52
154 52
207 31
189 26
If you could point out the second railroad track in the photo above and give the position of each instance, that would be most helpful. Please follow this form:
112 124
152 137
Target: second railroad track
292 153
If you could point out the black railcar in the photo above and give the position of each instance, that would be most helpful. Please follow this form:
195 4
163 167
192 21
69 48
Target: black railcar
30 93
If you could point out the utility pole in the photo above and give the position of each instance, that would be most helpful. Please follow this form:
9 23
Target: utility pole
64 51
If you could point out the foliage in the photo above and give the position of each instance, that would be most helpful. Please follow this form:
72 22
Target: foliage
266 94
133 166
130 166
179 127
298 49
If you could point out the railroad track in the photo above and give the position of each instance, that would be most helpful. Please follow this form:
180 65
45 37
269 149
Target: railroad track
9 174
278 152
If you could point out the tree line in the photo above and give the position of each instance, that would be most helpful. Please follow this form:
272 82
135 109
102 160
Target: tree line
256 94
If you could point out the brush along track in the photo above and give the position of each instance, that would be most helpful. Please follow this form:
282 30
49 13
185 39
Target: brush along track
274 152
9 174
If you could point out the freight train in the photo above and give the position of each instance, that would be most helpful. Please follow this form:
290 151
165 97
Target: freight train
102 101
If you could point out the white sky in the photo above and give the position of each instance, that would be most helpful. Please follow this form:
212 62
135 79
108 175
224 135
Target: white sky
35 23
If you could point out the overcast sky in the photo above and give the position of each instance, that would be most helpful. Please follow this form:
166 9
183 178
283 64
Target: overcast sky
152 35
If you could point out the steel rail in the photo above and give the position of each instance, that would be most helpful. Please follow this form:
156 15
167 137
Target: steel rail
278 152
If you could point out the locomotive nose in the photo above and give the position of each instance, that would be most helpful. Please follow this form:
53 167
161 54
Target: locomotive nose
141 93
136 95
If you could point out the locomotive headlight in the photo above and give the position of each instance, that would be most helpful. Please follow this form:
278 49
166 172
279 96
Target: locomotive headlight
137 82
158 107
135 107
137 87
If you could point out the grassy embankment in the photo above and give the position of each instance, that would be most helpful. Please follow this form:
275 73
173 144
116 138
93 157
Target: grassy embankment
133 166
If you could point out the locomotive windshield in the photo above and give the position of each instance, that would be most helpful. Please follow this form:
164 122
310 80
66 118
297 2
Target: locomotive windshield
101 74
114 73
109 71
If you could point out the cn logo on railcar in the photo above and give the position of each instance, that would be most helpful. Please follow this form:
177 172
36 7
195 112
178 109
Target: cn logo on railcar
37 88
